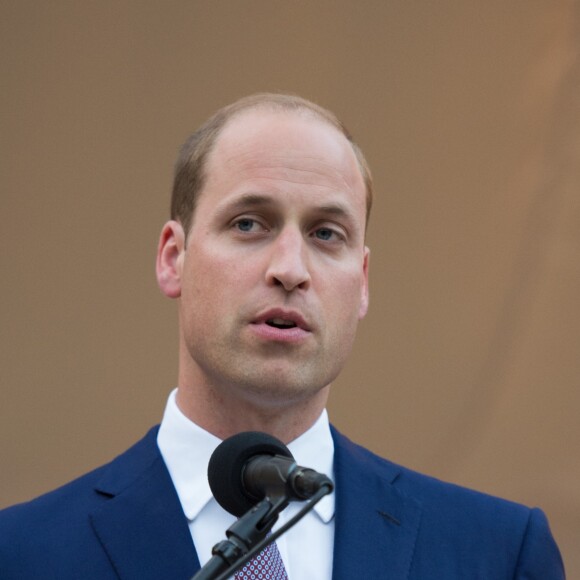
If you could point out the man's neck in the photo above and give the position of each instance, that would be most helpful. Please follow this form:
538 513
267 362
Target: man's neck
226 416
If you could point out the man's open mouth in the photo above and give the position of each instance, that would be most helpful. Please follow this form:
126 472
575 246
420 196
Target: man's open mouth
280 323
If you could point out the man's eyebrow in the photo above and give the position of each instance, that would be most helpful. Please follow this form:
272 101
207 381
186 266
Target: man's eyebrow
343 214
335 210
248 200
258 200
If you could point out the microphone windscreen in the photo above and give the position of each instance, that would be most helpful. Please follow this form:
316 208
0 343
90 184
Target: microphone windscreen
226 467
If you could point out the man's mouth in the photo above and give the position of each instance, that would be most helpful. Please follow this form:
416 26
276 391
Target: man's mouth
280 323
281 326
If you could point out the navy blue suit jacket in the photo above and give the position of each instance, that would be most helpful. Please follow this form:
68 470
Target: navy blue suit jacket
124 520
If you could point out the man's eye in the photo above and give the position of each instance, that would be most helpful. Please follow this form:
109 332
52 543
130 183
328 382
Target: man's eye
246 224
325 234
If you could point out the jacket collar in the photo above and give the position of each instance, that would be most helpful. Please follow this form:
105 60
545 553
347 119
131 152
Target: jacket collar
142 527
145 534
376 524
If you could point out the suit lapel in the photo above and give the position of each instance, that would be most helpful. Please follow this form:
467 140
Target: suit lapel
142 526
145 534
376 525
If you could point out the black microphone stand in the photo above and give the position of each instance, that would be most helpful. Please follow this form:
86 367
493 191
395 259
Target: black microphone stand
247 536
242 535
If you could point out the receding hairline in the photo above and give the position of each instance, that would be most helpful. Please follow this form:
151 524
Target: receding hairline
286 105
279 102
192 163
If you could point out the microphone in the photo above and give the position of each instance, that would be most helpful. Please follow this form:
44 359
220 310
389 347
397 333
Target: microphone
250 466
253 476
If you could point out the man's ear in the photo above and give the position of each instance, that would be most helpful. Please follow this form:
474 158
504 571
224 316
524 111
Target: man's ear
364 303
170 259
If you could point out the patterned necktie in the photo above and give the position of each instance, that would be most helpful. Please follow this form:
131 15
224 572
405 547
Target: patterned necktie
266 565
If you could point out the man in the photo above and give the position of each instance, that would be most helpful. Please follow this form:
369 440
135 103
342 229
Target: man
265 254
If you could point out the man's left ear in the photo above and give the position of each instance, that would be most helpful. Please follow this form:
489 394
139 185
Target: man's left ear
170 259
364 302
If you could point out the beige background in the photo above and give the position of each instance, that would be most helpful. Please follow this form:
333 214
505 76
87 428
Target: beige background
467 366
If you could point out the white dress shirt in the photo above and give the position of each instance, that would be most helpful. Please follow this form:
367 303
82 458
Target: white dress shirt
306 548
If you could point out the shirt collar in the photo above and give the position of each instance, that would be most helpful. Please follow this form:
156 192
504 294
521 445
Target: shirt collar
186 449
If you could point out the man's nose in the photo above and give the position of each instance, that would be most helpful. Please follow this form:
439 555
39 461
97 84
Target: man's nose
288 265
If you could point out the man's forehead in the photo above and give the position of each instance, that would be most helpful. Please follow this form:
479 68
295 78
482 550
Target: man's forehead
299 140
247 145
265 125
267 113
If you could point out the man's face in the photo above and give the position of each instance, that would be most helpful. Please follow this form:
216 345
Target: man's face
273 276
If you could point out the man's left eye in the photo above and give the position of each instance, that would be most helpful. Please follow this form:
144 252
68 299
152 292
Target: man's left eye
325 234
245 224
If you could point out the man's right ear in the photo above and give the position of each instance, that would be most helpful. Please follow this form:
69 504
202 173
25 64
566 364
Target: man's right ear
170 259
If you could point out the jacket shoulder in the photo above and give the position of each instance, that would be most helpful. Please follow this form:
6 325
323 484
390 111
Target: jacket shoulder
49 525
426 489
460 528
119 472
